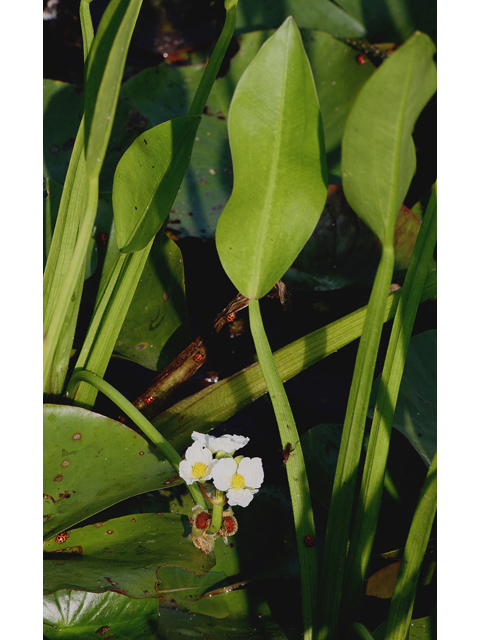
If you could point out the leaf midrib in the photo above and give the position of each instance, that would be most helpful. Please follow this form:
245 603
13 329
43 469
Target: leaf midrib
264 219
396 163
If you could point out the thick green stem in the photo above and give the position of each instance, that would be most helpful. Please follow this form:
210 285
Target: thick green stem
142 423
371 490
217 513
340 513
295 467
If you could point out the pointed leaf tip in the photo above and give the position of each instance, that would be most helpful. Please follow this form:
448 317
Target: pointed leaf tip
278 152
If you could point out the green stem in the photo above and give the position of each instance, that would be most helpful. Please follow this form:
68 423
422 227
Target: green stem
371 490
295 467
401 606
212 406
142 423
52 333
336 540
217 513
211 71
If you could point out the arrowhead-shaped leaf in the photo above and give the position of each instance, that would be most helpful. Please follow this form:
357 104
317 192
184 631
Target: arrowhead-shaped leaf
280 183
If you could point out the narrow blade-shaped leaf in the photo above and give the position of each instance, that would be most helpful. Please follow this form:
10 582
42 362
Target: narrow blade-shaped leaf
147 180
276 137
104 72
378 153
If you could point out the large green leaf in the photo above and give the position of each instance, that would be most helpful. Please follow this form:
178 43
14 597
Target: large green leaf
338 79
123 554
89 616
92 462
147 180
165 92
278 154
378 152
416 409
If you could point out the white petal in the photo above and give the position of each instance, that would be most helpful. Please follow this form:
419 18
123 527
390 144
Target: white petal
209 469
185 471
222 473
200 437
197 453
226 443
252 470
192 453
240 497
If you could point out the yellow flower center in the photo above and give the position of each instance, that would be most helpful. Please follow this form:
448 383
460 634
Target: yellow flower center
199 469
238 482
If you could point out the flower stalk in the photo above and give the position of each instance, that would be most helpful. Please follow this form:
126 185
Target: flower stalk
217 512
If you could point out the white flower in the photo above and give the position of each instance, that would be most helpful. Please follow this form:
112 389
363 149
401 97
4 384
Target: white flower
198 464
226 443
239 481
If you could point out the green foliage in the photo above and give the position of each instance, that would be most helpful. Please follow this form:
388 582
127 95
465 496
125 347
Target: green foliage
129 550
377 164
279 163
416 408
83 614
155 328
103 76
125 557
147 180
92 462
378 152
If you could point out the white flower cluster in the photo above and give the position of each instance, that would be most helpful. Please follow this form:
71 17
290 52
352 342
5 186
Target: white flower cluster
240 478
